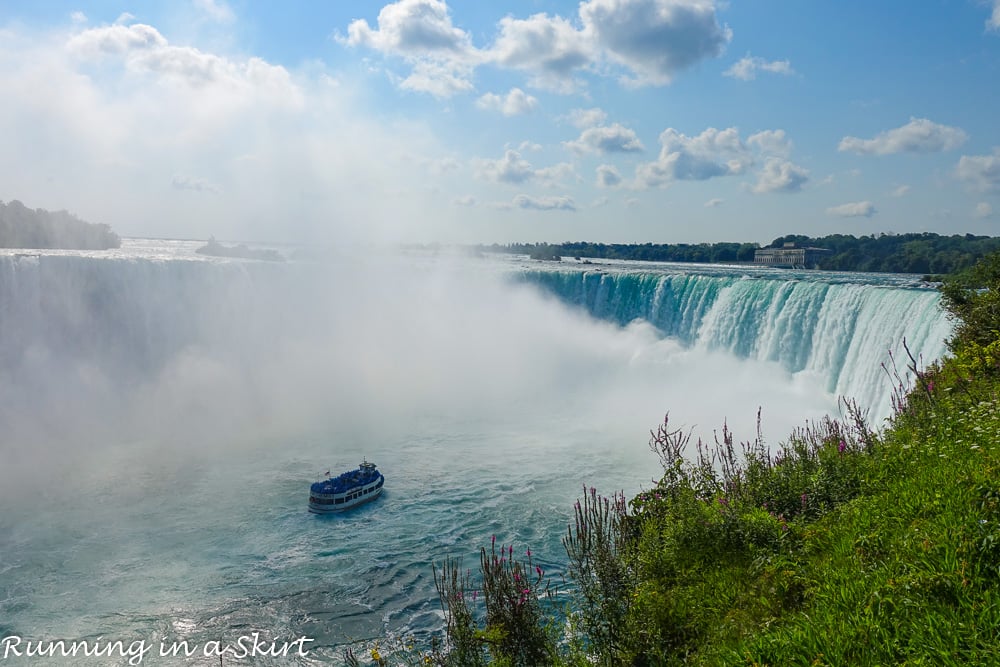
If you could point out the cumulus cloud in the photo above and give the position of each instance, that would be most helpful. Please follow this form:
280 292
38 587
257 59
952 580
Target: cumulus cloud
983 210
918 136
901 191
116 39
143 50
980 172
608 176
712 153
858 209
714 203
655 39
993 22
512 169
780 176
181 182
551 203
165 121
584 118
771 142
647 41
552 176
548 47
747 67
421 32
414 28
606 139
514 103
438 79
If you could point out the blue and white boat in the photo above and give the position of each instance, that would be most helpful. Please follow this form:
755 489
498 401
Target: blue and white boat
346 490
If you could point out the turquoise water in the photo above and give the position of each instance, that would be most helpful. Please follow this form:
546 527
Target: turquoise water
165 414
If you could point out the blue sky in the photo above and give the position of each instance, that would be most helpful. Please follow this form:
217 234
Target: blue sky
423 120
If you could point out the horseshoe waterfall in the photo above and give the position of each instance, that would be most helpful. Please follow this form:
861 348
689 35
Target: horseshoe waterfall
164 414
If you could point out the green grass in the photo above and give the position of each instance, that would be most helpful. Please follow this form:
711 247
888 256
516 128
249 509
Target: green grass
845 547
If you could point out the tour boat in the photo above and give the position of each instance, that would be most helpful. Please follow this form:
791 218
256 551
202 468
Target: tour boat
346 490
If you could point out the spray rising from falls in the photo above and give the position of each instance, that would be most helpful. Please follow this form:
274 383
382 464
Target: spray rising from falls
837 328
164 413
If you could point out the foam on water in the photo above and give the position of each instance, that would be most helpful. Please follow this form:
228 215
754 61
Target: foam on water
166 413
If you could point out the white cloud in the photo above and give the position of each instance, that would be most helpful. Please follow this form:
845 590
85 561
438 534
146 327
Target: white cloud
714 203
515 170
549 48
217 10
918 136
771 142
712 153
511 168
858 209
143 50
182 182
414 28
649 40
993 22
608 176
78 17
655 39
554 175
599 202
552 203
466 200
900 191
421 32
157 119
438 79
983 210
606 139
980 172
747 67
584 118
116 39
514 103
780 176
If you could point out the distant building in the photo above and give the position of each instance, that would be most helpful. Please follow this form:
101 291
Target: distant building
790 257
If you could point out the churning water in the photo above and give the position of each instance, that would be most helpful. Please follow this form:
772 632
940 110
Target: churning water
164 414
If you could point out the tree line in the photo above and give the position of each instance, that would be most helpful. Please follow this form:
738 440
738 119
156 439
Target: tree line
22 227
922 253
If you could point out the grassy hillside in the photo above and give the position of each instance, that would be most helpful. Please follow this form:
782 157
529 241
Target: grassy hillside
846 545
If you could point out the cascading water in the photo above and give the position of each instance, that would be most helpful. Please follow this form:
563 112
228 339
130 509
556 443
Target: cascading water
164 415
836 327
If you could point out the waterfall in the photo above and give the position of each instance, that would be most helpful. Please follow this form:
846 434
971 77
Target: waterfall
840 328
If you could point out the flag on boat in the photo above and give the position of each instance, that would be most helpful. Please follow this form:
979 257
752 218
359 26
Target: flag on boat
327 473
